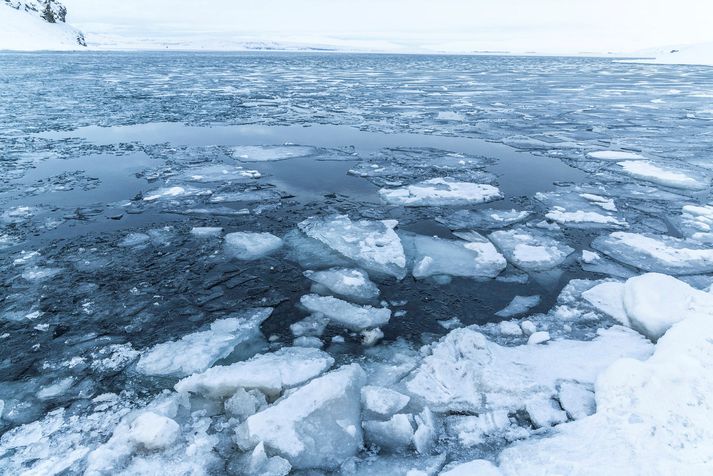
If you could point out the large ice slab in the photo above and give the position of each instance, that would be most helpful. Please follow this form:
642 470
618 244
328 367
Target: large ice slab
316 426
440 191
468 373
653 417
198 351
250 246
373 245
255 153
664 175
269 373
529 249
345 314
657 253
482 219
349 283
432 256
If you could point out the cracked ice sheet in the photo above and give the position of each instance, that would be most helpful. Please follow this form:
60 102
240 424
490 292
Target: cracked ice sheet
440 191
468 373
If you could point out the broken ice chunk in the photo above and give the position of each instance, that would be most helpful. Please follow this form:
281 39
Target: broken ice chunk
174 192
351 284
440 191
350 316
206 231
250 246
372 245
576 399
696 223
383 401
198 351
529 249
153 431
218 173
608 298
269 373
657 253
664 175
545 413
393 434
316 426
519 305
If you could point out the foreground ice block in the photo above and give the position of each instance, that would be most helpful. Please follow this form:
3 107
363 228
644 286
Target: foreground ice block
250 246
653 417
518 305
432 256
468 373
316 426
198 351
345 314
657 253
440 191
372 245
269 373
529 249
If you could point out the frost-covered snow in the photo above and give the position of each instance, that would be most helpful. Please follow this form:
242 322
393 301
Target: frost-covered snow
652 416
690 54
466 372
650 303
440 191
198 351
23 30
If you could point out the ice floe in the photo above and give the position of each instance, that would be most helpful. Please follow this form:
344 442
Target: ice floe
663 175
251 246
658 253
519 305
352 284
529 249
440 191
373 245
432 256
253 153
483 219
345 314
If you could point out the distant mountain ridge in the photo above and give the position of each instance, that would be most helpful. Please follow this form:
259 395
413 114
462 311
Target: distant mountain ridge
28 25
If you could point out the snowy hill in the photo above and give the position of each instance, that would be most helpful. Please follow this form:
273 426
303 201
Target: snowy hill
33 25
695 54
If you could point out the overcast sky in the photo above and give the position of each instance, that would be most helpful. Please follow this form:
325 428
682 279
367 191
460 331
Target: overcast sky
514 25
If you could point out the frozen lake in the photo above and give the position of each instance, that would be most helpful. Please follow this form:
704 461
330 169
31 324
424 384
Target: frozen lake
161 214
